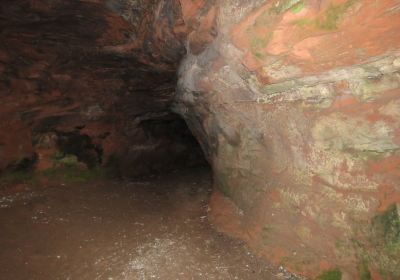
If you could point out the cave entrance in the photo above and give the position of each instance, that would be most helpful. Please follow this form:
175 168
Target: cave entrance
167 144
76 102
98 178
154 145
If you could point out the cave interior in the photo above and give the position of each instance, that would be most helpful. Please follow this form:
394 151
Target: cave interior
200 139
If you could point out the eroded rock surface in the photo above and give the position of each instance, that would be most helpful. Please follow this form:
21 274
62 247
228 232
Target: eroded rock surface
296 104
97 75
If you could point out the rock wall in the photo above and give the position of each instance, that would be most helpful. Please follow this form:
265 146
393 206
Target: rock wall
296 105
294 102
98 75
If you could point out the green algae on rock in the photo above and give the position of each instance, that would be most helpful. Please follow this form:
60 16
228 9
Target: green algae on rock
334 274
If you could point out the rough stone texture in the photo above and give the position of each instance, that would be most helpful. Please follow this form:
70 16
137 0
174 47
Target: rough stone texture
296 104
80 70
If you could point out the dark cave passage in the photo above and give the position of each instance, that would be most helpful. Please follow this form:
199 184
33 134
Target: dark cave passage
169 145
99 179
157 139
72 101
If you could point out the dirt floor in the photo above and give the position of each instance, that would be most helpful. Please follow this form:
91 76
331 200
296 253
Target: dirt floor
154 228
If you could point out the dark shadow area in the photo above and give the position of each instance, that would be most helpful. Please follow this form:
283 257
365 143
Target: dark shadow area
70 102
81 146
168 144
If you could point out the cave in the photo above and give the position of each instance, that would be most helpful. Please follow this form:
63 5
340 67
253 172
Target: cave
200 139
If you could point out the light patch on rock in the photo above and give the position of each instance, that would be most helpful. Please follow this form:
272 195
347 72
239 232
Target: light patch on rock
329 166
391 109
338 133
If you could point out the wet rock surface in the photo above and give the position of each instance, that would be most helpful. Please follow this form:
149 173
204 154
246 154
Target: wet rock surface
154 228
295 104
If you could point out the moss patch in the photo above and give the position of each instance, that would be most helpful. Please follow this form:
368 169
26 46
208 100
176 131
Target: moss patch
379 244
67 169
334 274
386 240
388 227
331 18
364 272
16 177
297 8
284 5
74 174
65 174
258 44
334 14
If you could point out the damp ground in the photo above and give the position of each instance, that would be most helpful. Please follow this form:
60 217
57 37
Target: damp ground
152 228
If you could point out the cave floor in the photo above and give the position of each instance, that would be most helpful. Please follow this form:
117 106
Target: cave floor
154 228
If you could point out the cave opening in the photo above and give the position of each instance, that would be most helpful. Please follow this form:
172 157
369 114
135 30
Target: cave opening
99 178
199 139
74 95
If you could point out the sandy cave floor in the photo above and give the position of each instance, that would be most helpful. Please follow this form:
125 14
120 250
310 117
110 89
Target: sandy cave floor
154 228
